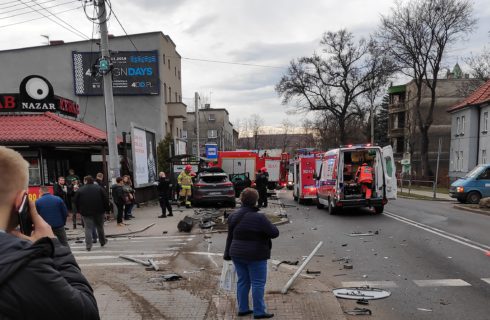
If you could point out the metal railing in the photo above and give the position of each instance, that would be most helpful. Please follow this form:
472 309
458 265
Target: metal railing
428 183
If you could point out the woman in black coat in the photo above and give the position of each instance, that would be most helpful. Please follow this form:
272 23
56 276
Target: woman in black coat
249 246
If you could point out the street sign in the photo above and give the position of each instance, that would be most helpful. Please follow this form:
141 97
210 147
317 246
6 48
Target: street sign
104 64
211 151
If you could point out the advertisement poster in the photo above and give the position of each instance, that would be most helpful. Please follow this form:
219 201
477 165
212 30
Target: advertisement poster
144 157
140 161
133 73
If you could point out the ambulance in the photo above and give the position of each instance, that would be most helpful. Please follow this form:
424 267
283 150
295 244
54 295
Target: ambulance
305 168
337 186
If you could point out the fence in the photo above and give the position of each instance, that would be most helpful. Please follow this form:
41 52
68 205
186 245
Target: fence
430 185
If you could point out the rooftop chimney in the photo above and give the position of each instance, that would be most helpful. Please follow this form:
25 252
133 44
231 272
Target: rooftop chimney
56 42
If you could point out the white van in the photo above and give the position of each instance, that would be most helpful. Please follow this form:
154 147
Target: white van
336 184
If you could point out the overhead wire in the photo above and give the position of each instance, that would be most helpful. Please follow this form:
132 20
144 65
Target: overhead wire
28 12
91 62
18 4
63 21
38 18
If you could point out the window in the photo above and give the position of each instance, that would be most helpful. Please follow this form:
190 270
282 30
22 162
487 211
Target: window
461 161
462 125
212 134
164 58
34 172
485 122
176 97
458 126
169 94
456 163
212 117
484 156
175 71
179 74
165 92
184 134
389 168
168 64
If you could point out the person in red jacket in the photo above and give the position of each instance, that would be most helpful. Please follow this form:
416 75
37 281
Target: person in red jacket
364 177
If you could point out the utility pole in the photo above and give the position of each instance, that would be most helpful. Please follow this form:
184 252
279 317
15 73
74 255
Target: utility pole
105 69
434 186
196 97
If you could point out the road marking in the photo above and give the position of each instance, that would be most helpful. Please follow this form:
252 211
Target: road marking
107 264
441 233
487 280
442 283
121 245
137 256
372 284
170 238
75 252
204 253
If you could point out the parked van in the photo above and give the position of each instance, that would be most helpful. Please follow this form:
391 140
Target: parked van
472 187
337 186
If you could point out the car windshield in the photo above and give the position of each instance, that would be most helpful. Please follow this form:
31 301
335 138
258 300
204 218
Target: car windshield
475 172
214 179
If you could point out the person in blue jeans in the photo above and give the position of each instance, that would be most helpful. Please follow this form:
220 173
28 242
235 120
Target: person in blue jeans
249 246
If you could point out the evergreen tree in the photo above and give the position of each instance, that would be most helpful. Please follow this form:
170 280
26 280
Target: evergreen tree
164 154
381 119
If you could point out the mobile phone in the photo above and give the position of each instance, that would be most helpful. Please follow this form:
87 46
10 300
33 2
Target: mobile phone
25 221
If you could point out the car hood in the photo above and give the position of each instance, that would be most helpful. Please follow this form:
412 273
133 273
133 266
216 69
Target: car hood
460 183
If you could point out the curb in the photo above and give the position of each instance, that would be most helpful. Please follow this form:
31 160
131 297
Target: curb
431 199
460 207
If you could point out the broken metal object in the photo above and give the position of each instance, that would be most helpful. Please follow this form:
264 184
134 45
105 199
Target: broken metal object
291 263
145 263
362 301
312 272
361 293
171 277
348 266
153 264
358 234
207 225
359 312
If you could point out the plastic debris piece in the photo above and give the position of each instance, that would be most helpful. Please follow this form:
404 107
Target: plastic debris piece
171 277
358 293
359 312
313 272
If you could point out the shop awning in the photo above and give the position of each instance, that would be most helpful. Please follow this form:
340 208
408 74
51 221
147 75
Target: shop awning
47 128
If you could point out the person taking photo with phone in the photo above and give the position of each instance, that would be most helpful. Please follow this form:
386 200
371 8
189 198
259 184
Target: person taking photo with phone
39 278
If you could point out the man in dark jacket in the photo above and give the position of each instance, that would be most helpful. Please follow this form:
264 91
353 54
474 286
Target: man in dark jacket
39 278
53 210
164 195
92 202
118 199
249 246
261 181
60 189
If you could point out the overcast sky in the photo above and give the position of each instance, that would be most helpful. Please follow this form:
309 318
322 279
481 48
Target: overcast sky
262 32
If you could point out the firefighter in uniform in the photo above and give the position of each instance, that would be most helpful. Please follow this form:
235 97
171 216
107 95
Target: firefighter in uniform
185 182
364 177
261 182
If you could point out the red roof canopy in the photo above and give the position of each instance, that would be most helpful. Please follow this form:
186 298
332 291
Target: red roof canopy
479 96
47 128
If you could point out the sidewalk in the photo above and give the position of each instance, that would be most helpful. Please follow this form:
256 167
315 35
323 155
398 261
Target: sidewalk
423 193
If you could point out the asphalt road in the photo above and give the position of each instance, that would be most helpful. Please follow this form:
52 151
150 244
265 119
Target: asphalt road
430 256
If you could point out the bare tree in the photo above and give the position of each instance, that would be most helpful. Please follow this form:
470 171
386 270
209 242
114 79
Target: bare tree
416 34
334 80
286 128
480 64
255 125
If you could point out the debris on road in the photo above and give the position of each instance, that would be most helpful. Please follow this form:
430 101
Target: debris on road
291 263
171 277
359 234
423 309
348 266
362 301
359 293
340 274
186 224
344 245
300 269
125 234
359 312
144 263
153 264
313 272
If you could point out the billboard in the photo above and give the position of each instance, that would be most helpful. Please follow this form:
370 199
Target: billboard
133 73
144 157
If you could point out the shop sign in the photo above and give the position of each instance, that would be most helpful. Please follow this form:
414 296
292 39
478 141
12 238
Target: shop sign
36 94
133 73
34 192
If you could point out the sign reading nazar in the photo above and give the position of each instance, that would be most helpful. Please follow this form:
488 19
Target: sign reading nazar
36 94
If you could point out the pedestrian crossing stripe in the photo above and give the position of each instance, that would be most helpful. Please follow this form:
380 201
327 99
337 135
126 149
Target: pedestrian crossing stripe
108 264
442 283
372 284
173 245
137 256
85 252
174 238
487 280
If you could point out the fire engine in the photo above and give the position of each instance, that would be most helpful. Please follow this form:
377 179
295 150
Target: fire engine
249 162
305 167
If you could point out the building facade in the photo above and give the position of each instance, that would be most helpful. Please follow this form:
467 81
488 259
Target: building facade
146 83
214 127
403 129
470 139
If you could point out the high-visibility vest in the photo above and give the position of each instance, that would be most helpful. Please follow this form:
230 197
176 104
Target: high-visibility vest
365 174
185 180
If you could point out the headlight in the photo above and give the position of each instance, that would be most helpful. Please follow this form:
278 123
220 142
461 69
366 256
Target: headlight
459 189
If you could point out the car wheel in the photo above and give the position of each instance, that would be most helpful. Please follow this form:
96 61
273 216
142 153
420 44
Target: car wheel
318 204
331 208
473 197
379 209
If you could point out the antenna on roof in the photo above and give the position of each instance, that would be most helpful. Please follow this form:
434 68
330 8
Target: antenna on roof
47 38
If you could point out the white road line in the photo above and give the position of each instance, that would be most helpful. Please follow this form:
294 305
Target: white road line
487 280
204 253
107 264
75 252
169 238
372 284
211 257
442 283
441 233
137 256
124 246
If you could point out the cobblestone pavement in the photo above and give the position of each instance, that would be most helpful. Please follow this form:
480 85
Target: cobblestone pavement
126 290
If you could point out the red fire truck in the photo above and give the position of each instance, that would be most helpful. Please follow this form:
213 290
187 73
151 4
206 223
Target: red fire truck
305 168
249 162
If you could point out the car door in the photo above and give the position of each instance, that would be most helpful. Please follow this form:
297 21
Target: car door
483 183
389 172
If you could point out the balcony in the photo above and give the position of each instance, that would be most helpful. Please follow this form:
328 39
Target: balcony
396 132
396 107
177 110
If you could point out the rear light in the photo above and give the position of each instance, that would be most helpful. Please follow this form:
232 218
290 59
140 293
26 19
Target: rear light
460 189
199 185
228 184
